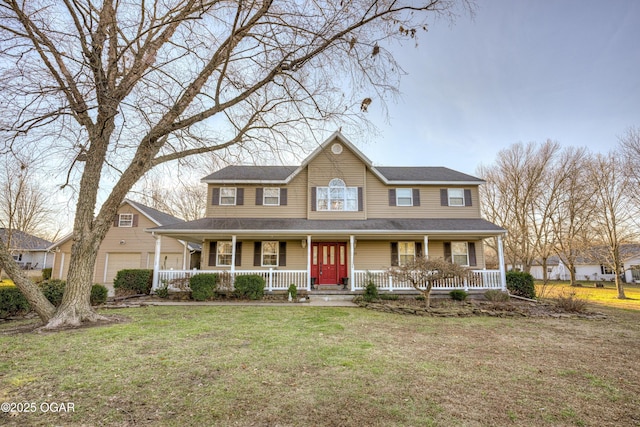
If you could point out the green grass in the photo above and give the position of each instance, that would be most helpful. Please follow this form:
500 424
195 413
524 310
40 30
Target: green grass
300 366
6 282
607 296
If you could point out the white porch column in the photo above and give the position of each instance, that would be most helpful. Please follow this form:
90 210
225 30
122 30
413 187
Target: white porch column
425 251
503 278
309 262
352 242
185 255
233 256
156 261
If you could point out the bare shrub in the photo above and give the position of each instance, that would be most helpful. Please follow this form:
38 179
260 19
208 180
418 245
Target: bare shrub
569 301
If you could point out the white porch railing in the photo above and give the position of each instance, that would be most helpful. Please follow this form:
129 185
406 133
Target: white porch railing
275 280
480 279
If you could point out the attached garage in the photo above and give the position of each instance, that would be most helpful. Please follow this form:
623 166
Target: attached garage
119 261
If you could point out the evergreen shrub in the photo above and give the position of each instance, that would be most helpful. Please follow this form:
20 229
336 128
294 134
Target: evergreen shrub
203 286
249 286
133 281
521 283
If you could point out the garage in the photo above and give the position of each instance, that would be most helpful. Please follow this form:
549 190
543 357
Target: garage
119 261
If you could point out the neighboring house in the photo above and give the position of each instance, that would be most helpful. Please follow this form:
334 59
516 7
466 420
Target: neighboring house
126 245
30 252
337 219
589 266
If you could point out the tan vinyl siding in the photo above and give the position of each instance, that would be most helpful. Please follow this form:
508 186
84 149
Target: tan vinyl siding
295 208
377 197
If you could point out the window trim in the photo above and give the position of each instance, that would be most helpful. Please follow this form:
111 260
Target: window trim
235 196
449 197
398 197
454 254
264 196
337 183
220 244
123 222
406 244
277 253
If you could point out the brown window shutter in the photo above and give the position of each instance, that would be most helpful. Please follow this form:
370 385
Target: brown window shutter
394 253
239 196
472 254
392 197
419 249
447 251
116 220
215 196
135 220
283 197
313 199
467 197
444 197
259 196
212 253
238 254
416 197
257 254
360 200
282 254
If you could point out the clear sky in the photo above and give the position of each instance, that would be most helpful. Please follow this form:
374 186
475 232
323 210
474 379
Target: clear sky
520 71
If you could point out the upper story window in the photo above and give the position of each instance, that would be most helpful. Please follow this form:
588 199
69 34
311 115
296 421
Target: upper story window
125 220
227 196
456 196
337 197
404 197
271 197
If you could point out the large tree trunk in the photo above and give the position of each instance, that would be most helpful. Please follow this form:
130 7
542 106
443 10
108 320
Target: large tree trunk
39 303
76 303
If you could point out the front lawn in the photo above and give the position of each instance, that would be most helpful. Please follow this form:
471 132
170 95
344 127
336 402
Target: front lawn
607 296
302 366
6 282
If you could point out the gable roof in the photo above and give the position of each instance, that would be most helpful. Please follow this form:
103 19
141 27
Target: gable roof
157 217
246 174
24 241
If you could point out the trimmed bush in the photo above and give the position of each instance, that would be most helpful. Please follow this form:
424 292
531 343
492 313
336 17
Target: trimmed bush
98 294
12 302
521 284
53 290
458 295
293 291
134 281
203 286
250 286
46 273
495 295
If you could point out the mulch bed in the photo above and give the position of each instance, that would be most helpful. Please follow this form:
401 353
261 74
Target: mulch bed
475 307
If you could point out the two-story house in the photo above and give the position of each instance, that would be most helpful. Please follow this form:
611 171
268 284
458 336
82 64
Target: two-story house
126 246
337 219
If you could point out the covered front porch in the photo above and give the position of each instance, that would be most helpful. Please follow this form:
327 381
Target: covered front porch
315 261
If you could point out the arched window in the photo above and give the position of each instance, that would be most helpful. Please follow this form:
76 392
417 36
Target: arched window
337 197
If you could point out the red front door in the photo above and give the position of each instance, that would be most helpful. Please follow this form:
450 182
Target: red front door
329 262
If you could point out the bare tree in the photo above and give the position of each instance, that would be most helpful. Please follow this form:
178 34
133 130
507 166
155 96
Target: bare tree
613 218
575 209
423 272
185 199
116 88
514 198
630 150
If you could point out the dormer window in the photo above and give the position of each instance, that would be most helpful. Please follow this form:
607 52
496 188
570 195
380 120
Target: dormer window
125 220
337 197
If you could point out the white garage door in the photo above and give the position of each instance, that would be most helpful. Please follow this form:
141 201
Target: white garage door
117 262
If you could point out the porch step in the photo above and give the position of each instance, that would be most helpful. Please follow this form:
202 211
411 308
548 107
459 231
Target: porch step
331 299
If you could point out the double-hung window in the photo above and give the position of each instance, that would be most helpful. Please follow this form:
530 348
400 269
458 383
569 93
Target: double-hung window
271 196
270 254
404 197
224 254
337 197
456 196
459 253
125 220
406 252
227 196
